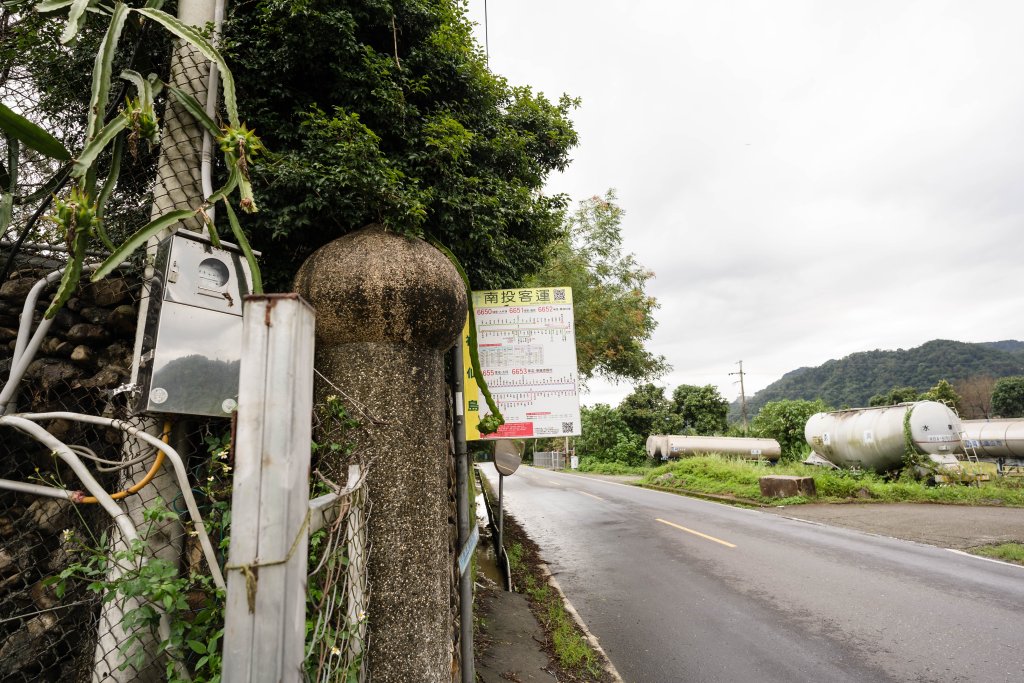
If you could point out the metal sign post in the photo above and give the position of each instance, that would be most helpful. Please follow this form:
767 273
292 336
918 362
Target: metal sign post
467 540
507 458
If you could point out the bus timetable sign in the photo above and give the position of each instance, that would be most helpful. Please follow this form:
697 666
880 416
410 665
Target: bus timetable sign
526 340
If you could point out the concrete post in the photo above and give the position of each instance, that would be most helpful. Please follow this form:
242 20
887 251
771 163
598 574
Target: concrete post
387 308
178 186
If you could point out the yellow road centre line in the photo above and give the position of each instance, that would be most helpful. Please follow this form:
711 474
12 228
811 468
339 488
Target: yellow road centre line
697 533
591 495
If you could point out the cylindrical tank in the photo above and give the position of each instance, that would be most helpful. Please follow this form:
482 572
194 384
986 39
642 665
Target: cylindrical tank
994 439
874 438
665 446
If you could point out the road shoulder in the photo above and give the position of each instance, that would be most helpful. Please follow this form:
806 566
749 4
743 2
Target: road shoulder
947 526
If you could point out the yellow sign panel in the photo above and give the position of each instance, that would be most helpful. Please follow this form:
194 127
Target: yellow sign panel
526 344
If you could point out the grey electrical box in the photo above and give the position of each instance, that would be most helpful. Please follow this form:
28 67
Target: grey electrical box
192 347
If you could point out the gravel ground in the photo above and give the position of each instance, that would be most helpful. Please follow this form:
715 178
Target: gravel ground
947 526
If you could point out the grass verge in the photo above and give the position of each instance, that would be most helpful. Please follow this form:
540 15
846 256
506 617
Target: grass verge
568 647
1007 552
717 475
616 467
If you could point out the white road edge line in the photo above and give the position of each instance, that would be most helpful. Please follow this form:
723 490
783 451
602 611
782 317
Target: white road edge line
986 559
591 638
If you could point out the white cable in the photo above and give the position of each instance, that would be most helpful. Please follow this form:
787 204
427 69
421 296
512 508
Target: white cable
116 465
206 156
36 489
25 352
60 449
179 469
121 518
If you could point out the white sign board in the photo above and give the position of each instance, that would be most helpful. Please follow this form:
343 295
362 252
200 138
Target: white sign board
527 348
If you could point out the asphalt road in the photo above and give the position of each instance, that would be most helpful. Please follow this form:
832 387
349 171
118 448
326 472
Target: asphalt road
679 589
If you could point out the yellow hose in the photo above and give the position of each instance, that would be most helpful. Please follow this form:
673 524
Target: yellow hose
146 479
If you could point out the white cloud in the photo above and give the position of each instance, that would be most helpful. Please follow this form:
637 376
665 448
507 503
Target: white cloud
807 179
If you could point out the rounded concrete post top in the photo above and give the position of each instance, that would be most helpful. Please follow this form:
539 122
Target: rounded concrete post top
377 286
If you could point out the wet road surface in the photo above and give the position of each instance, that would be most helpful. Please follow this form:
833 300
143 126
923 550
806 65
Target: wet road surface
679 589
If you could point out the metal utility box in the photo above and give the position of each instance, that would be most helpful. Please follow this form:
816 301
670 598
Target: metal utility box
192 347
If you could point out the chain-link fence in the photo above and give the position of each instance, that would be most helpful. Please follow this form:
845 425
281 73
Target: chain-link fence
79 599
56 555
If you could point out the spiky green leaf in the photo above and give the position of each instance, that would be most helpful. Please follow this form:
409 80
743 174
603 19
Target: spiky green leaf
490 423
72 273
32 135
193 36
192 106
96 145
52 5
137 240
243 243
102 67
76 20
233 176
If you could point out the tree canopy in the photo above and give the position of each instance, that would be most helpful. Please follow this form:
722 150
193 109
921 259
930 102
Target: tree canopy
1008 397
701 410
784 421
646 411
386 112
614 315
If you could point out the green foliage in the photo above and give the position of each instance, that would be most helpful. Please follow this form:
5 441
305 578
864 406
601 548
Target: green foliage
895 396
854 380
943 392
1008 552
594 466
1008 397
195 632
570 647
646 411
138 116
31 135
606 438
614 316
732 477
701 409
784 421
424 140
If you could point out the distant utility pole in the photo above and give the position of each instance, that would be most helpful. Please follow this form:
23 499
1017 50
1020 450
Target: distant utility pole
743 395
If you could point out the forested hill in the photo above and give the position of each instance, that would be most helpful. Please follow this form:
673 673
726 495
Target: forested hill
853 380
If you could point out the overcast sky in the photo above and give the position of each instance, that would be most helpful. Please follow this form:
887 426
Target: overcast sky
806 179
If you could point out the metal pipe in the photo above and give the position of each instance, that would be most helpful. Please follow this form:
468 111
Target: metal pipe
462 489
501 511
38 489
179 470
206 155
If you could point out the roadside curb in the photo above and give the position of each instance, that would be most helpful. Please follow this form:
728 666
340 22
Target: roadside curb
591 638
705 496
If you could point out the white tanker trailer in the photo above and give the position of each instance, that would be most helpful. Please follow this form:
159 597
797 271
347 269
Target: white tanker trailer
999 441
877 438
667 446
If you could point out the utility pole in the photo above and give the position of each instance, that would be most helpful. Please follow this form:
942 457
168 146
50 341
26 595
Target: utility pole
743 395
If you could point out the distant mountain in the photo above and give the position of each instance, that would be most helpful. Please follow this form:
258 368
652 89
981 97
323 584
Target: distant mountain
853 380
1008 345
